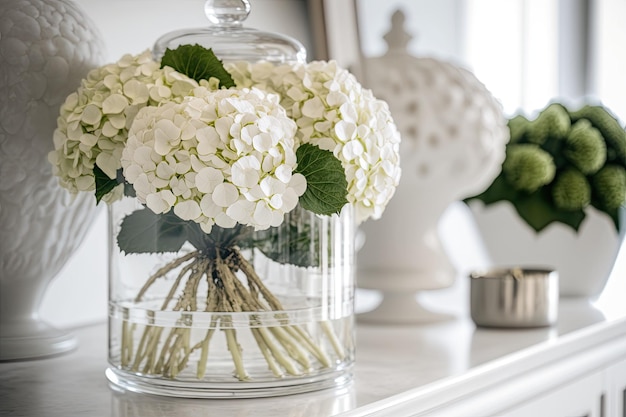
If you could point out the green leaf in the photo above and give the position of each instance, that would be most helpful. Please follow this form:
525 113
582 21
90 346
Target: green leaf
536 209
498 190
144 231
293 242
197 63
129 190
327 186
104 184
538 212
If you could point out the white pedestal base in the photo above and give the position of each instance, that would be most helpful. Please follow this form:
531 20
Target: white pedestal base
400 304
33 339
401 308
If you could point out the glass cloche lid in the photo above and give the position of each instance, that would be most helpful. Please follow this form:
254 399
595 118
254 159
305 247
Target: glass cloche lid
229 40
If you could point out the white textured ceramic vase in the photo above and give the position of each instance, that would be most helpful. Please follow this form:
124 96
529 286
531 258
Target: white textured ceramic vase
47 47
453 141
583 259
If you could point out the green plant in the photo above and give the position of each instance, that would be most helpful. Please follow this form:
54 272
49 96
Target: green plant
560 163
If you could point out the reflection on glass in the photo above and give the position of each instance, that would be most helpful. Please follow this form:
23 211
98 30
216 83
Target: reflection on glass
321 403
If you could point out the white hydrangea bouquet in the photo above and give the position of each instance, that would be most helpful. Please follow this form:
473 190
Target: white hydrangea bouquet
217 155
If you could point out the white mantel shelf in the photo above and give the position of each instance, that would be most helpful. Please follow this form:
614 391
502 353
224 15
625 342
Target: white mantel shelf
441 369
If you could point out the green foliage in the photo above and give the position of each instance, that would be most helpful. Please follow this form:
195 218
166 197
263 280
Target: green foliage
327 186
144 231
104 184
612 132
528 167
553 123
609 187
517 128
535 208
294 242
129 190
585 148
538 211
571 190
197 63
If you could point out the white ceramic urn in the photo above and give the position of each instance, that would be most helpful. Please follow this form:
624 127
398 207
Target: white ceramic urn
453 142
47 47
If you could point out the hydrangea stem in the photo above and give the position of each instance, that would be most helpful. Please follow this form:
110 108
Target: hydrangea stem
204 354
162 271
267 354
287 348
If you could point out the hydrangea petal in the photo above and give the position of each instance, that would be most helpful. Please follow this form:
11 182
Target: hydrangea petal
262 142
156 203
91 115
208 207
242 177
298 184
114 104
284 173
108 164
164 170
225 194
276 201
345 131
313 108
262 214
187 210
88 139
241 211
208 178
137 91
224 221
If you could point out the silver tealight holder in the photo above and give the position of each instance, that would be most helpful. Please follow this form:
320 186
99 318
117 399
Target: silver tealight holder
514 297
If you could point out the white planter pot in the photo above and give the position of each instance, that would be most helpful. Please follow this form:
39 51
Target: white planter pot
583 259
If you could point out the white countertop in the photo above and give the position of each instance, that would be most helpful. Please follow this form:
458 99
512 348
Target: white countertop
422 365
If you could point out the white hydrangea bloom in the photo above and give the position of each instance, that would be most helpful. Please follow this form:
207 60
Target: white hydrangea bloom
219 157
93 124
333 111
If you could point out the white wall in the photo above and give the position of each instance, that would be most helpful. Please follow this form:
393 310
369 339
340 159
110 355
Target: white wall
609 59
78 295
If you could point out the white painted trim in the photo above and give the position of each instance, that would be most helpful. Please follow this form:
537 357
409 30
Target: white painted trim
511 380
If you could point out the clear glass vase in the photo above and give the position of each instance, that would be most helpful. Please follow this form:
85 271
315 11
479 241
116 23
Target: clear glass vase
232 313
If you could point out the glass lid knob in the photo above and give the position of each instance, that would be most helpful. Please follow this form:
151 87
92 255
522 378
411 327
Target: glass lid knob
227 12
230 40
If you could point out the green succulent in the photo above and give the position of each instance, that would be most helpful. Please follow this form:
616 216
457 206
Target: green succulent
528 167
585 148
553 123
609 187
571 190
612 132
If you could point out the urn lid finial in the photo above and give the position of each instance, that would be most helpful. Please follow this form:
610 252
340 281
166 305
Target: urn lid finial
397 38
